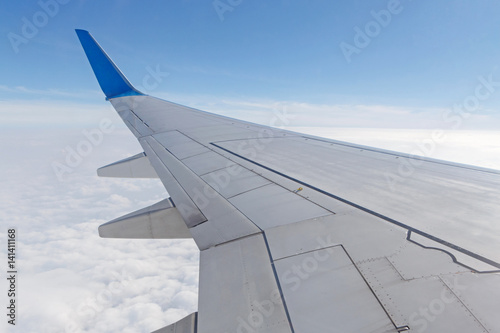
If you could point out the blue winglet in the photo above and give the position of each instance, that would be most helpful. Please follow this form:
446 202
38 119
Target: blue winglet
113 83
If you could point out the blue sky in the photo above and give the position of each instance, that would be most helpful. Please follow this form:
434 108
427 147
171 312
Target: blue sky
428 55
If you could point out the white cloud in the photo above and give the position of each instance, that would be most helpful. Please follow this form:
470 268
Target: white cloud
50 114
49 92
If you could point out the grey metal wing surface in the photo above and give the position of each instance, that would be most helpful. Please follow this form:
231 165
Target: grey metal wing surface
303 234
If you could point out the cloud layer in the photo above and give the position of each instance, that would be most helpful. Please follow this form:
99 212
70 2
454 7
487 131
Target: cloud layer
70 280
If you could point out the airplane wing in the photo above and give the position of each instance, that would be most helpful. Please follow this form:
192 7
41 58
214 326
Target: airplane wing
304 234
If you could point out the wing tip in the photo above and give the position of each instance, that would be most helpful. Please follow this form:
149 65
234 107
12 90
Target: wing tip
112 81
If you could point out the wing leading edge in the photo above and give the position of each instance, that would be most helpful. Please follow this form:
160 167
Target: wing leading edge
301 234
